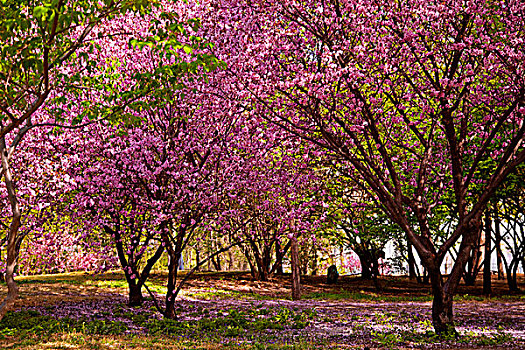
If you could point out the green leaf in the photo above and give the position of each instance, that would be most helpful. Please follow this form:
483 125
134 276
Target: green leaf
39 11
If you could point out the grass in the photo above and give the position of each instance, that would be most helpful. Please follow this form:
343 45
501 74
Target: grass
227 294
364 296
30 329
264 324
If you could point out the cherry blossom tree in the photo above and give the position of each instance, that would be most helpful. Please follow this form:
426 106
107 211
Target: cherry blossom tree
410 98
51 242
60 53
273 205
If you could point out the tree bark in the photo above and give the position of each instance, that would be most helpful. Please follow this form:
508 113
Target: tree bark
366 268
197 259
512 280
280 252
13 244
169 311
174 253
473 265
443 293
442 307
487 275
135 297
296 275
315 266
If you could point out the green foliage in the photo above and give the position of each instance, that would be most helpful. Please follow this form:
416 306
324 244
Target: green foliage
32 322
388 340
234 323
37 39
40 39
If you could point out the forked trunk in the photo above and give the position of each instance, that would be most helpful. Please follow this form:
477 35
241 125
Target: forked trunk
512 280
443 292
497 238
174 254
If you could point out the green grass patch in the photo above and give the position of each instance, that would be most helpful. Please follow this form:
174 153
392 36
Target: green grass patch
32 322
227 294
351 295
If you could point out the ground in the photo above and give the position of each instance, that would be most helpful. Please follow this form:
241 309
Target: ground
230 310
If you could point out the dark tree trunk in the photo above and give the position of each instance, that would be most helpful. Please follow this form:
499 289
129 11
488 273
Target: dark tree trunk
169 311
230 261
248 260
366 268
279 265
130 267
487 275
197 259
135 294
296 276
443 293
315 268
442 311
512 280
473 265
217 263
262 271
174 252
280 253
425 279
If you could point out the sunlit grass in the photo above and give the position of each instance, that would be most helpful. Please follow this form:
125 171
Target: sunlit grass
213 315
364 296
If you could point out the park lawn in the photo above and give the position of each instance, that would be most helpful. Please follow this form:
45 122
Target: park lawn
229 310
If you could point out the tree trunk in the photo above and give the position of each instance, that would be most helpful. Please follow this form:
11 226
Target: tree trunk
197 259
217 263
174 253
411 263
512 280
280 252
135 285
473 265
296 276
366 268
442 309
497 236
230 261
315 266
135 294
487 275
173 263
443 293
262 262
13 244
